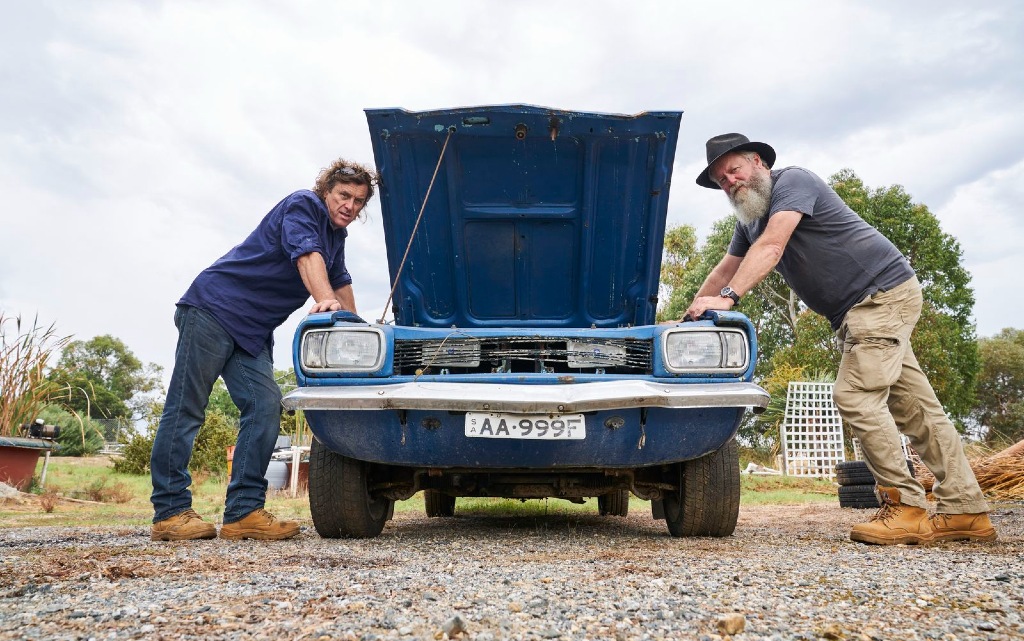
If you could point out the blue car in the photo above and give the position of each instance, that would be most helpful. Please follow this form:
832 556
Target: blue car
523 361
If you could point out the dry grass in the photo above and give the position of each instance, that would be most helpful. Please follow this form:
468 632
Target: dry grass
48 500
100 491
24 388
1000 475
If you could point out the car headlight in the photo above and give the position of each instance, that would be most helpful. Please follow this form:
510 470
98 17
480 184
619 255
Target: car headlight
343 349
705 350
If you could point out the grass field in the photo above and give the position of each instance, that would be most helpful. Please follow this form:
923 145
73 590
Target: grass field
87 491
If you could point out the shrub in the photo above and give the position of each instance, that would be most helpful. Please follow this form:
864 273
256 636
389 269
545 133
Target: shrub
100 492
48 500
209 453
138 446
215 436
79 436
135 456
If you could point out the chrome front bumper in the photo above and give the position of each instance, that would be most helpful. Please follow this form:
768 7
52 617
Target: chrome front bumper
527 399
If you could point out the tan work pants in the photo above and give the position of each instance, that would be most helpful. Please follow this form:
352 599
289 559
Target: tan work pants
881 391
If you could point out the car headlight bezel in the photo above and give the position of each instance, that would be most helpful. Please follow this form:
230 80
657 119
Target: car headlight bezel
317 343
732 344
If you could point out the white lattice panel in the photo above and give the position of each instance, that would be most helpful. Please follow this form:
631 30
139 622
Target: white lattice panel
812 431
858 453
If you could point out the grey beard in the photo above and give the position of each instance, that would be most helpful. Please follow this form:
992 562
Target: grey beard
753 204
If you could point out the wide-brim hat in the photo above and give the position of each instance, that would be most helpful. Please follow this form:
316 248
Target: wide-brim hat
731 143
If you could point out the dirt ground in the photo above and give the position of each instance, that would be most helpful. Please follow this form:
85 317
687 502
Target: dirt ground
789 572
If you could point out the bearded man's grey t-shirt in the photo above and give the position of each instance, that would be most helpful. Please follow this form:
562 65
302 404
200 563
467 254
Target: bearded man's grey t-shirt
834 259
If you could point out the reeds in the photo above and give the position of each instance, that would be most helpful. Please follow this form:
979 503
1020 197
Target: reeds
24 388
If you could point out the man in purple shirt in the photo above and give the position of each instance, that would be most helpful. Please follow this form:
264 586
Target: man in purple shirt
226 322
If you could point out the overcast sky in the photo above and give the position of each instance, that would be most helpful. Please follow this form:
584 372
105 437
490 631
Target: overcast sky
142 140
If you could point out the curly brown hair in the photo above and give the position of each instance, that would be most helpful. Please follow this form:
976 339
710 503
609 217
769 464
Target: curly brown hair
345 171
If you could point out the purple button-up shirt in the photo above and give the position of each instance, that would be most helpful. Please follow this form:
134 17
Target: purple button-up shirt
256 286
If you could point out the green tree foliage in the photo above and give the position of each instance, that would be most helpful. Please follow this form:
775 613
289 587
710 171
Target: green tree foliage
812 348
217 433
104 379
220 401
1000 391
698 266
679 250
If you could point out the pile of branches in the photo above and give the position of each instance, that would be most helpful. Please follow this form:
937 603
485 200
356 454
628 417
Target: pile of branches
1000 475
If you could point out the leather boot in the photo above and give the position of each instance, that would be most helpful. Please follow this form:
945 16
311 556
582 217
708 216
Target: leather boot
961 527
183 527
894 523
259 524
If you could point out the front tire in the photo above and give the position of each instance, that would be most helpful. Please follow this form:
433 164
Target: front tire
339 497
707 502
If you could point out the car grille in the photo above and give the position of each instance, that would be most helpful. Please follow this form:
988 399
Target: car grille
510 354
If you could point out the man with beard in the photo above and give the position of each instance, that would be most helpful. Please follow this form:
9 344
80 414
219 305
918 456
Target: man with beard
844 269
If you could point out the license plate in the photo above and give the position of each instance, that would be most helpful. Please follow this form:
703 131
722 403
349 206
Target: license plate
544 427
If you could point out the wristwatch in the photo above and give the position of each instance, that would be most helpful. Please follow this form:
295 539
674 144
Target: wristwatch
727 292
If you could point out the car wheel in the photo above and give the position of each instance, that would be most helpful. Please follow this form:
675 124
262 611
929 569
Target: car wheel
438 503
707 502
339 498
858 496
614 504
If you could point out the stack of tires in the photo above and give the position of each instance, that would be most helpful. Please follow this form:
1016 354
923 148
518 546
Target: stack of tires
857 484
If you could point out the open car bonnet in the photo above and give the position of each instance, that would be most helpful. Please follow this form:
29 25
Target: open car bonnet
537 217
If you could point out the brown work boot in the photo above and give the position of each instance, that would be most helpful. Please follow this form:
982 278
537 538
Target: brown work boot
259 524
962 527
894 523
183 527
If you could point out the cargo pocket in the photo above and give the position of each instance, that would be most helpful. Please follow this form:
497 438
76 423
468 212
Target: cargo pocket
874 363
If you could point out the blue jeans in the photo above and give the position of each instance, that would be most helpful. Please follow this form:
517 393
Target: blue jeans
204 352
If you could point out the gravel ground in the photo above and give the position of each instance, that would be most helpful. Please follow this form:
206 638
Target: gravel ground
788 573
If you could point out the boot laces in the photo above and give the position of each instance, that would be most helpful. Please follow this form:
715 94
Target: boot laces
267 515
939 520
888 511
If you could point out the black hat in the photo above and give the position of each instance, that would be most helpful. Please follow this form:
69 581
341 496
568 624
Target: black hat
729 143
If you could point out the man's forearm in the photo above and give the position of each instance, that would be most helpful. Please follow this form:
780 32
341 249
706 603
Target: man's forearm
313 272
714 283
758 263
346 296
